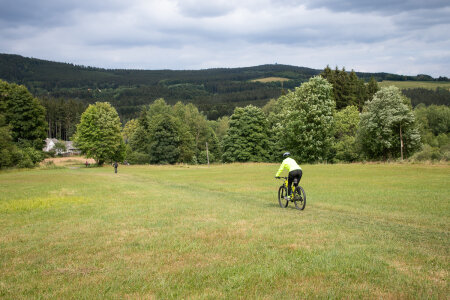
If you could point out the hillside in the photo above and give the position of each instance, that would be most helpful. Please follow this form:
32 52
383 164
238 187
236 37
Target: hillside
214 91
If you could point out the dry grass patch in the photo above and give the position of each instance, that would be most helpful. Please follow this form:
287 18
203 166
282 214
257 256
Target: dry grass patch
70 160
270 79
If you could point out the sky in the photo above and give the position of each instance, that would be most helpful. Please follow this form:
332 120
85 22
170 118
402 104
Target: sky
402 37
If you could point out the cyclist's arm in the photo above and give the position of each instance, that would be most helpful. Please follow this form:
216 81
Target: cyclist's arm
283 165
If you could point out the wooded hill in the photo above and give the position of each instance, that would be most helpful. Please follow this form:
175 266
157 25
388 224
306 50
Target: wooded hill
216 92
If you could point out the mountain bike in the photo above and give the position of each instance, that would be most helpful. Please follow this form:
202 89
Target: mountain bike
298 195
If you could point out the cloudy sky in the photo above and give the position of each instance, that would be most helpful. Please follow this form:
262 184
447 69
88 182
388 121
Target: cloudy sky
403 37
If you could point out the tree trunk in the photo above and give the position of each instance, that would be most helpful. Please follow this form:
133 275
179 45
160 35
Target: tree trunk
207 153
401 142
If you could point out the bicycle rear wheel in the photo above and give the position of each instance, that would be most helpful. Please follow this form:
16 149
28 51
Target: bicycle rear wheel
300 198
282 193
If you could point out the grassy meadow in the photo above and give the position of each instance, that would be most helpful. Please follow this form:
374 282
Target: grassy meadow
368 231
431 85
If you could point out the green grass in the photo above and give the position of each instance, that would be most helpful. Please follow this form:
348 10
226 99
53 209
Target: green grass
368 231
431 85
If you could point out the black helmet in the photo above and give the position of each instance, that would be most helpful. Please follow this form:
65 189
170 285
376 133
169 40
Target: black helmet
286 154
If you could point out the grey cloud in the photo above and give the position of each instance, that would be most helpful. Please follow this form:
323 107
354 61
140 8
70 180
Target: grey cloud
382 6
204 9
50 12
423 19
369 35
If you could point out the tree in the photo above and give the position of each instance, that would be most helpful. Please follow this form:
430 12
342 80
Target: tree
345 127
348 89
98 134
304 122
346 122
164 148
434 127
246 138
8 150
24 114
372 88
129 129
62 116
387 126
223 124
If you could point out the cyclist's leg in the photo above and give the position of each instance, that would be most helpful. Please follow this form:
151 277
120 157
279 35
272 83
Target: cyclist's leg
298 175
290 180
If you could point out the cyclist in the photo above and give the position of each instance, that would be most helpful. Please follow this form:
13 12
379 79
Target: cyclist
295 172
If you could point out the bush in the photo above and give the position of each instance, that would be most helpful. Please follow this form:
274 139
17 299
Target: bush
51 153
36 156
346 150
427 153
25 160
137 158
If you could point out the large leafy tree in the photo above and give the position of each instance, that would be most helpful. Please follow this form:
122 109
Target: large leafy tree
305 119
247 136
386 123
24 114
98 134
8 150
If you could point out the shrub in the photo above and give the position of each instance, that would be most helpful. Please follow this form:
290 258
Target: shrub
138 158
427 153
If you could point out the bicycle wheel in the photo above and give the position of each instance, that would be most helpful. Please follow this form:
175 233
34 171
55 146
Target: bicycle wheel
300 198
282 192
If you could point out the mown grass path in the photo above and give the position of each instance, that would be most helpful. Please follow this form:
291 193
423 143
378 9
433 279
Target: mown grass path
368 231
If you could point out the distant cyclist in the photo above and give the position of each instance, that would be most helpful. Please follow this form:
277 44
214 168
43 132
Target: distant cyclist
295 172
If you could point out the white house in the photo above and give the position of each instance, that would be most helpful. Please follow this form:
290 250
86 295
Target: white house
49 144
70 149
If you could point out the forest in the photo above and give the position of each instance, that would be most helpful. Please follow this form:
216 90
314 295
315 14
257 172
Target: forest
241 119
215 92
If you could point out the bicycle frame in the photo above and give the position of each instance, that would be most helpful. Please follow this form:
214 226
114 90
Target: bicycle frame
297 195
286 183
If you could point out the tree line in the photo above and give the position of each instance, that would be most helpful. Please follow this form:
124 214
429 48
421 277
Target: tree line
438 96
62 116
305 121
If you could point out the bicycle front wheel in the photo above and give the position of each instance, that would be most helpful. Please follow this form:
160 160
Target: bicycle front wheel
300 198
282 193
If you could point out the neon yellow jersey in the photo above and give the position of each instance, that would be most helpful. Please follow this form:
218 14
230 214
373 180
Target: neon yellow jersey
288 164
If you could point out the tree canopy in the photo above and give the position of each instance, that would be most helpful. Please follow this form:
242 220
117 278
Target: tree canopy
305 119
247 136
98 134
24 114
385 122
